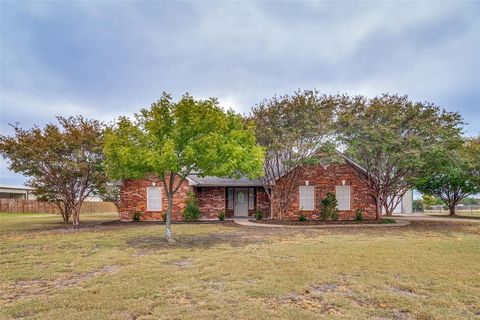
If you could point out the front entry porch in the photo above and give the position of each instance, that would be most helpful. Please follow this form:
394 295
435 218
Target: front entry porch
241 201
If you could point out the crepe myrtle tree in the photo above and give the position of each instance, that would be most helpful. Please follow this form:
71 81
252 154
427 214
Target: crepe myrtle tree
452 174
172 139
63 161
110 192
391 137
295 130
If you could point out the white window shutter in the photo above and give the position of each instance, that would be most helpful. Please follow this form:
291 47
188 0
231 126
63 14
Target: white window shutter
342 193
154 199
306 198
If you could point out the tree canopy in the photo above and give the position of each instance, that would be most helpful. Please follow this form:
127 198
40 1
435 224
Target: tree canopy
452 174
390 136
295 130
63 161
173 139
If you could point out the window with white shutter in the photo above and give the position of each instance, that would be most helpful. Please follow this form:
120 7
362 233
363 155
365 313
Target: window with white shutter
154 199
343 197
306 197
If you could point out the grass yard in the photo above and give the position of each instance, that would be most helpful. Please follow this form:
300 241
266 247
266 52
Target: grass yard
428 270
459 213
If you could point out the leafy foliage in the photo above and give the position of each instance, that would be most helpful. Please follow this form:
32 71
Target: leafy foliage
64 161
192 209
221 216
259 214
418 205
387 221
295 130
430 201
391 138
302 217
328 207
173 139
451 174
137 215
358 215
110 192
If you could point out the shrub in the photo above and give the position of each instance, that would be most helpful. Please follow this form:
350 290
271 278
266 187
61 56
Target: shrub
221 216
259 214
192 210
387 221
358 215
418 205
302 217
164 217
329 207
136 216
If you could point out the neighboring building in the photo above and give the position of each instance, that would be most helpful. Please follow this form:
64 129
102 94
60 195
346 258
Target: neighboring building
405 206
242 197
16 192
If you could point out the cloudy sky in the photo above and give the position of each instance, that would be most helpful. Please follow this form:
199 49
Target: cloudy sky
104 58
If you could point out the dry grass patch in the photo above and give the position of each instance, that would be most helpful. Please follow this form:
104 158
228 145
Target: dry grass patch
428 270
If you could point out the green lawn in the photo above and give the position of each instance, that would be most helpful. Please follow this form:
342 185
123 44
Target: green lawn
428 270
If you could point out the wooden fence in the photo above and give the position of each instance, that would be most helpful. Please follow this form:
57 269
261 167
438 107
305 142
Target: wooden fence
33 206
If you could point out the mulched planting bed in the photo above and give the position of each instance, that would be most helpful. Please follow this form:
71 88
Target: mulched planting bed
314 222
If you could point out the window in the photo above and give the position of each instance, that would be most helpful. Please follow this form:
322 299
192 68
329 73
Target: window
251 199
154 199
343 197
230 198
307 197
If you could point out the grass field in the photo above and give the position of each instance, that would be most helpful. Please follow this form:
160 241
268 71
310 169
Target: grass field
428 270
459 213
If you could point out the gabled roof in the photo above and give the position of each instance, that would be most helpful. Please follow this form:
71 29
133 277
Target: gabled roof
353 163
197 181
210 181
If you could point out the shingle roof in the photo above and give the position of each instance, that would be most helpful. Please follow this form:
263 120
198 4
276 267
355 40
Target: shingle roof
208 181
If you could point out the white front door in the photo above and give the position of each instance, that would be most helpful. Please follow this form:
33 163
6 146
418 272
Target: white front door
240 203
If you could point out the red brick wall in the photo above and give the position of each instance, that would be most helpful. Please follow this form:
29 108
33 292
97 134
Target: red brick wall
263 202
134 198
211 201
325 181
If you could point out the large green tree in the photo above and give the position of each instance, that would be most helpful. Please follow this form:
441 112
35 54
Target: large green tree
295 130
173 139
452 174
390 137
63 161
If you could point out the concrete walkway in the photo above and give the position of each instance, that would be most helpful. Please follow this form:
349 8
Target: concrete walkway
245 222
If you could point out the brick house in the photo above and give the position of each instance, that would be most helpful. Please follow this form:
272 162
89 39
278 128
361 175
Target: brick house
242 197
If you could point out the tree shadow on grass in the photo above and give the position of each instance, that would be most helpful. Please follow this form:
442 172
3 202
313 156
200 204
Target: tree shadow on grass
235 238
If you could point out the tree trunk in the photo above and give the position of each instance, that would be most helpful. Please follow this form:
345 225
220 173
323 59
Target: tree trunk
168 230
64 210
388 211
271 203
378 209
452 210
76 217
